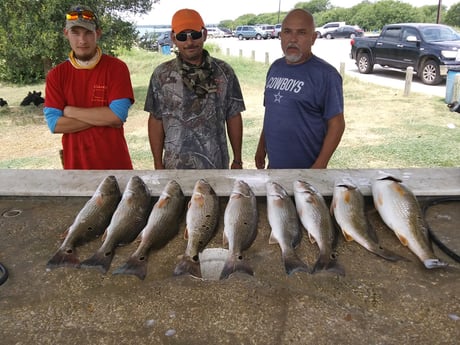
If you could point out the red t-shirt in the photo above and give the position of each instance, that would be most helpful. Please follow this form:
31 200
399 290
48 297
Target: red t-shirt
94 148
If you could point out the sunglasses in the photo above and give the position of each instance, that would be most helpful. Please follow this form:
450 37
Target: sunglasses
182 36
86 15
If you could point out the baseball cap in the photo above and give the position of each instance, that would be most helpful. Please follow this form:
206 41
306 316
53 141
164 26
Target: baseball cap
81 16
186 19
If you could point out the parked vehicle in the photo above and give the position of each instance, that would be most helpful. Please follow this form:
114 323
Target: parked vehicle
249 32
328 27
214 32
345 31
227 32
269 29
164 39
431 49
277 30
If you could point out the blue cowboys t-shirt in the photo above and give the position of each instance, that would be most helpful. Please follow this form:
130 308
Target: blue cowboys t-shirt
299 100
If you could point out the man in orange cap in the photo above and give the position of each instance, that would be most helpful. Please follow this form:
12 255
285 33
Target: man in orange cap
194 101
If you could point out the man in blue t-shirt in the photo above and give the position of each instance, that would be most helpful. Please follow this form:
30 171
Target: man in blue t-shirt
303 100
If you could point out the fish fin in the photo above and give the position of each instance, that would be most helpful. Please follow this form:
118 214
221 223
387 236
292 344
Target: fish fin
104 235
162 202
329 264
235 264
293 264
272 239
64 234
332 207
225 240
100 260
188 266
347 236
434 263
64 258
402 239
311 238
134 266
388 254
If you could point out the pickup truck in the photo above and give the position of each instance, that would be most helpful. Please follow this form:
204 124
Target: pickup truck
431 49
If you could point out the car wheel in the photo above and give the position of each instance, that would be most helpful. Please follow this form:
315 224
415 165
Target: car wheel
429 73
364 63
328 36
318 34
240 37
258 37
352 35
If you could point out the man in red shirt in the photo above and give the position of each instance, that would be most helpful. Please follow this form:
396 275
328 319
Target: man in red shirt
87 98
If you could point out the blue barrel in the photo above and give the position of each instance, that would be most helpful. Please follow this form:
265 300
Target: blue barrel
450 83
166 49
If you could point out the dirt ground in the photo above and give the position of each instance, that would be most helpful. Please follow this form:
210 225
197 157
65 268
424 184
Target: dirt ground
376 302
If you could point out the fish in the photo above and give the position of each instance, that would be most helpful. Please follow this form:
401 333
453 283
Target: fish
201 223
90 223
348 209
400 211
316 219
240 228
285 227
161 227
127 221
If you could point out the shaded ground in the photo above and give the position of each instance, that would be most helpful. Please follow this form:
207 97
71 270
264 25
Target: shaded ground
377 302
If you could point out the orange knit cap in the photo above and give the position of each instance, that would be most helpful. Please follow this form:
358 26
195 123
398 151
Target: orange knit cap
186 19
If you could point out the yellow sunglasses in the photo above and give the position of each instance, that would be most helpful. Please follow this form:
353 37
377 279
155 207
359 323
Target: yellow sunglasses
86 15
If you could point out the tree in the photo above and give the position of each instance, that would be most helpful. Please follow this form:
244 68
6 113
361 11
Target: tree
452 16
32 40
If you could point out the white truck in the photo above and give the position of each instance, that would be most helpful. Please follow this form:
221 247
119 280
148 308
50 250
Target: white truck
328 27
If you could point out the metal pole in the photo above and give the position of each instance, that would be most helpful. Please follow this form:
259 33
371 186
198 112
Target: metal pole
279 9
438 17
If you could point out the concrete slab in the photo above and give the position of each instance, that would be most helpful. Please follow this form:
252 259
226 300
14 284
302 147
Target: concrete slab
422 181
376 302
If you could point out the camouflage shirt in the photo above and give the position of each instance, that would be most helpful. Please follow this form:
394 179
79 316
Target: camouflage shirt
194 125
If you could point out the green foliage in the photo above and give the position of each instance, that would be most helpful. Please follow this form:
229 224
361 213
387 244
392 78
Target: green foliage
31 33
453 16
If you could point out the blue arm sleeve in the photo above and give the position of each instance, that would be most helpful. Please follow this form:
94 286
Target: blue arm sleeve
51 117
120 108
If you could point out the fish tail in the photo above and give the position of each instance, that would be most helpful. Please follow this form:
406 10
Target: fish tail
100 260
134 266
188 266
64 258
234 264
389 255
293 264
434 263
326 263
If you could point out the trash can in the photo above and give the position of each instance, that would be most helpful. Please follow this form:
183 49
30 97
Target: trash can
452 87
166 49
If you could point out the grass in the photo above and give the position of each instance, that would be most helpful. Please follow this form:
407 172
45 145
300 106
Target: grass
384 128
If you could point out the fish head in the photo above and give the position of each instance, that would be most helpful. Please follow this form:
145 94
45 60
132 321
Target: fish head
241 188
109 186
275 190
172 188
202 187
304 188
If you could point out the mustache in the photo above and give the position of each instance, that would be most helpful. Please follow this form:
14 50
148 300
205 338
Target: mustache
292 45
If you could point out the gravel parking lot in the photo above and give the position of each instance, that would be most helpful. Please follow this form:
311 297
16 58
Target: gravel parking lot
335 52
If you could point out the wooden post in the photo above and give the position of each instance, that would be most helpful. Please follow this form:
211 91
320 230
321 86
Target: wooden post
267 58
253 55
342 69
456 89
409 76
